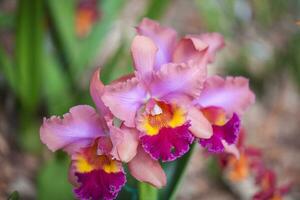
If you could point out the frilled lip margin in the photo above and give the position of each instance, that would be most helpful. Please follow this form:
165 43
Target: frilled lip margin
98 184
169 143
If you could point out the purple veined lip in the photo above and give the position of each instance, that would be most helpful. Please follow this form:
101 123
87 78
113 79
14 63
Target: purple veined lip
228 132
98 176
169 143
99 184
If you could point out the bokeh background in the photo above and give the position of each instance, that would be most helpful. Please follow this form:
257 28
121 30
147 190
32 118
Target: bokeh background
49 49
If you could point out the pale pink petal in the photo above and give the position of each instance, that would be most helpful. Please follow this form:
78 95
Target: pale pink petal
125 143
200 126
73 147
143 51
215 42
75 130
163 37
232 94
123 78
199 47
231 149
96 91
123 99
178 79
190 48
145 169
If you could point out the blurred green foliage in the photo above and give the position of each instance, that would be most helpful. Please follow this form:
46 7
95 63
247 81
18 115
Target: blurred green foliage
49 63
53 180
14 196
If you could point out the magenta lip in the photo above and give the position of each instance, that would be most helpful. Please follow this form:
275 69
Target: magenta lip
169 143
98 184
228 132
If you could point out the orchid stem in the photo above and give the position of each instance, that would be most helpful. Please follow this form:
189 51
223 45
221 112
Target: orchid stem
147 192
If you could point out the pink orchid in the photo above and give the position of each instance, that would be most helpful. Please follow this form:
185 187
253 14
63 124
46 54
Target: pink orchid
157 99
266 180
161 109
93 170
251 164
223 101
97 148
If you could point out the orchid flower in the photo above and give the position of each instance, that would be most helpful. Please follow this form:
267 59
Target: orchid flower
86 15
223 101
153 114
97 151
239 168
250 163
157 98
269 189
93 171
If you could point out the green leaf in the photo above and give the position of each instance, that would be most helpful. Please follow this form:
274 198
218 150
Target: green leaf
79 53
147 192
7 68
53 181
118 65
62 16
217 15
29 51
7 19
29 129
156 8
14 196
91 46
130 190
213 169
175 173
57 87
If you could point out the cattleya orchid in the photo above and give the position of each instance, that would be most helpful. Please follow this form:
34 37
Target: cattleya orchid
164 97
270 190
97 152
154 114
83 135
223 101
250 164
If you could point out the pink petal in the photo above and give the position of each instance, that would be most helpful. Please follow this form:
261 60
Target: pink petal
96 91
123 78
231 149
143 51
199 47
232 94
190 48
125 143
200 126
75 130
123 99
178 79
215 42
163 37
144 169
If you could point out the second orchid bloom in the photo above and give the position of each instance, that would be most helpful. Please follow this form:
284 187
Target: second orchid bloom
152 115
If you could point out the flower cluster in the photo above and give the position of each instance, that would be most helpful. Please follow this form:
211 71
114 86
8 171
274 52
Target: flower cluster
250 164
152 115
